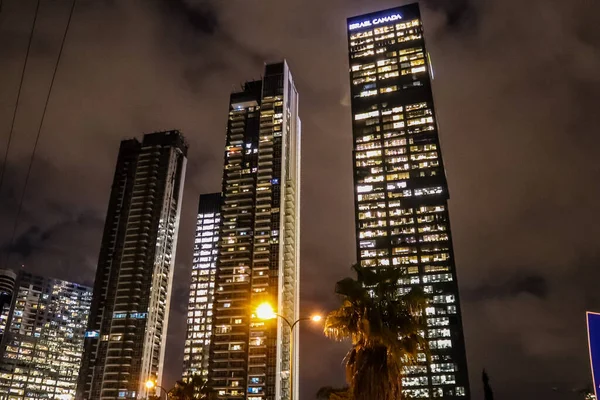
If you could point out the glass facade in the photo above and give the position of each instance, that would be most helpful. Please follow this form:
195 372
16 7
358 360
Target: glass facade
259 244
132 291
401 194
7 285
202 287
42 348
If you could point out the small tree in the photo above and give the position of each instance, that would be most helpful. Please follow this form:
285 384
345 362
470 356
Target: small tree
385 330
196 388
331 393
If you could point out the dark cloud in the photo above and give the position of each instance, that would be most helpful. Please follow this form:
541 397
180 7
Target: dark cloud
534 285
201 15
516 89
459 14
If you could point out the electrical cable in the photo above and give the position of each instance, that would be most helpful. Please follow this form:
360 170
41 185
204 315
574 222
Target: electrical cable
14 117
37 139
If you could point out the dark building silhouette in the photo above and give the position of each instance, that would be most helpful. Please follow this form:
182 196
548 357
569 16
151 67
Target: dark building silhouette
127 330
401 193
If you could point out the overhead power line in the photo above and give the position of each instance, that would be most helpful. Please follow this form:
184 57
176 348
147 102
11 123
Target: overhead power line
16 109
39 131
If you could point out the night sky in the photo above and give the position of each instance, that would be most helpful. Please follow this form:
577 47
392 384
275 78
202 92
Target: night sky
517 92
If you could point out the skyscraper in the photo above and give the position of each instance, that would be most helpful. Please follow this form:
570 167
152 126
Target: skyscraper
8 279
259 242
202 287
127 330
41 350
401 194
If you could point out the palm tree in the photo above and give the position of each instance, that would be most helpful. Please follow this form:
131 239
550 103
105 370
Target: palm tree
331 393
385 329
196 388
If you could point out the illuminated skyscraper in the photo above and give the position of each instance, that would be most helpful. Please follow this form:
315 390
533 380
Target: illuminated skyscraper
41 350
8 279
127 330
401 194
259 242
202 287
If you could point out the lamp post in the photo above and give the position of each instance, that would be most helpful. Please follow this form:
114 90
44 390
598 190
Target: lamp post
266 312
150 384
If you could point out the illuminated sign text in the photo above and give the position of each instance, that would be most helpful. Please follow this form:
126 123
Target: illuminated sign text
375 21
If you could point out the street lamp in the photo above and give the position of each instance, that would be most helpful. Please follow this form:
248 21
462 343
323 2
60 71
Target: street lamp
265 312
150 384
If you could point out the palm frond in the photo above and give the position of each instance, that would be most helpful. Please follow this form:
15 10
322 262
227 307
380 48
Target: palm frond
385 328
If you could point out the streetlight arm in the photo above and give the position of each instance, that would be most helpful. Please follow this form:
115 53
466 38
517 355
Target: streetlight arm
287 321
298 320
292 326
164 390
268 313
161 388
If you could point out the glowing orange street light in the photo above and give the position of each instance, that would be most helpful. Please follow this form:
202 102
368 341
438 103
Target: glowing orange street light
265 312
150 384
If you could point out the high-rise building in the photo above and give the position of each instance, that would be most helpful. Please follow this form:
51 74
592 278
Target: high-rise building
42 348
8 278
401 194
202 287
259 243
127 330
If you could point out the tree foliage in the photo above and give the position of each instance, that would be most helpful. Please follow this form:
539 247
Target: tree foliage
331 393
195 388
384 327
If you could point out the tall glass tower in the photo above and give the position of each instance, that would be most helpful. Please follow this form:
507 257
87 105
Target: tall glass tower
42 347
401 194
127 329
202 287
259 243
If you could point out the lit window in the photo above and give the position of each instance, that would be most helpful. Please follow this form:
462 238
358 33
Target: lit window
371 196
449 299
367 244
440 344
444 367
389 89
358 117
414 381
420 393
443 379
368 93
378 178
